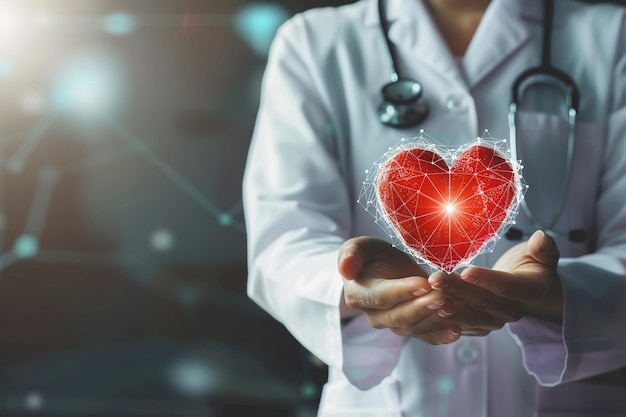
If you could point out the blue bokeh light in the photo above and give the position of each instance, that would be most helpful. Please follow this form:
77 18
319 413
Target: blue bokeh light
444 385
119 23
257 23
225 219
193 377
26 246
88 86
6 69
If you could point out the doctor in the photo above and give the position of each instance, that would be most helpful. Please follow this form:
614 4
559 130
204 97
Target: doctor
536 328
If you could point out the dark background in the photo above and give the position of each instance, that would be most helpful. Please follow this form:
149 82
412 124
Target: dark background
124 128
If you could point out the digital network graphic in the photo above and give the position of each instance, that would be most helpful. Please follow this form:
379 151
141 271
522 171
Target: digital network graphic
88 91
442 205
124 128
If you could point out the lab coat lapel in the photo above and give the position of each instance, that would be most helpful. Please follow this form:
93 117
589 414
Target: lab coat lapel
501 32
415 36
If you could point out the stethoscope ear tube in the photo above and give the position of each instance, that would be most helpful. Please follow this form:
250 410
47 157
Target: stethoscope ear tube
403 105
575 235
546 73
549 75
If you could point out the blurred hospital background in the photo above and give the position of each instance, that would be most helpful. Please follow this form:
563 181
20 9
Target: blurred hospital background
124 128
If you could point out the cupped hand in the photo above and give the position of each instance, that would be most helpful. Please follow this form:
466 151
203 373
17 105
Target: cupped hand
392 291
524 281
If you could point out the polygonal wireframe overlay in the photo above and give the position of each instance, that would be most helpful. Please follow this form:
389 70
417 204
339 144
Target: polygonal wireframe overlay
442 205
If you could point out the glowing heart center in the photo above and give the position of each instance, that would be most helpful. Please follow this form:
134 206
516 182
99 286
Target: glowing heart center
446 214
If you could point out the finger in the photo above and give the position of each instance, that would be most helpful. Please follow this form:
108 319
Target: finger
470 319
350 263
543 249
381 294
504 284
429 315
414 316
356 253
443 336
475 332
475 296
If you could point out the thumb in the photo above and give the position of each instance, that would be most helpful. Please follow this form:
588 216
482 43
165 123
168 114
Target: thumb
350 262
543 249
354 253
357 252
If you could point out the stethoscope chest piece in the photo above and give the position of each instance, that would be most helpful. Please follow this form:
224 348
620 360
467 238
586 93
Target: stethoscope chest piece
402 104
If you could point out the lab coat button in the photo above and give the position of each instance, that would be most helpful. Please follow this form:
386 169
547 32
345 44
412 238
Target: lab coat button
466 353
456 103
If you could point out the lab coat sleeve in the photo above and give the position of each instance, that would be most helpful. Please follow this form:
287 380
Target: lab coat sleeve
592 339
298 213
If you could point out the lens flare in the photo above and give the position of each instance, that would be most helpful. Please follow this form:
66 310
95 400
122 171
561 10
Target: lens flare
119 23
88 86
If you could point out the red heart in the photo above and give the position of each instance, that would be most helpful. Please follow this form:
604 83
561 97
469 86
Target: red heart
446 214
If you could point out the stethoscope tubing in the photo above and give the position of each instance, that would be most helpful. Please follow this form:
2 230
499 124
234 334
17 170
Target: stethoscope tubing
572 98
400 114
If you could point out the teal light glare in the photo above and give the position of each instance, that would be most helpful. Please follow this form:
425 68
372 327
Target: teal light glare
444 385
26 246
87 85
256 24
6 69
119 23
225 219
193 377
162 240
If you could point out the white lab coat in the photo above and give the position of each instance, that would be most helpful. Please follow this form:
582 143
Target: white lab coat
317 133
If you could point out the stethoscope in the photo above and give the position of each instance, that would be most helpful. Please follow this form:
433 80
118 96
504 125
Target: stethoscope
403 106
